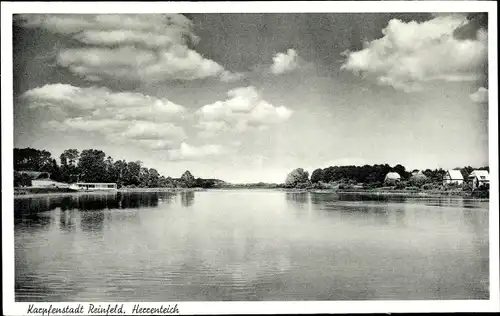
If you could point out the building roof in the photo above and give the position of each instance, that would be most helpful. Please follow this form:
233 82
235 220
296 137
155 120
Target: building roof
455 175
479 174
392 175
45 181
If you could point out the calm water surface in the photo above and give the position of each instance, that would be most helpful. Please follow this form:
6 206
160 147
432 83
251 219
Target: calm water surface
249 245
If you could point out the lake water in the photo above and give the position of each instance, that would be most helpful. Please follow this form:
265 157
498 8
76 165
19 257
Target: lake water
249 245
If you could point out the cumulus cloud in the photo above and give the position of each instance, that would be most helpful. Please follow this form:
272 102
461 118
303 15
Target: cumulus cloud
243 108
139 47
412 53
118 116
480 96
284 62
189 152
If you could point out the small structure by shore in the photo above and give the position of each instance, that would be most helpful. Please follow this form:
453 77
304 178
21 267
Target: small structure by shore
479 179
82 186
48 183
453 177
392 177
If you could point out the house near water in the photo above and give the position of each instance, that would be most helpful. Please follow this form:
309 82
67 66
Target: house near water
453 177
479 179
392 177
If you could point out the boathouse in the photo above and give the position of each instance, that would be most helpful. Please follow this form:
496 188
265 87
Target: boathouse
94 186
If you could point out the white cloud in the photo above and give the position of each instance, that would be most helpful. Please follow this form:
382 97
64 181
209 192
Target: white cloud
227 76
103 103
284 62
243 108
412 53
152 130
189 152
145 48
118 116
480 96
211 128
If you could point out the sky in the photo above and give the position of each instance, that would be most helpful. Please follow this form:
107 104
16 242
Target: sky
249 97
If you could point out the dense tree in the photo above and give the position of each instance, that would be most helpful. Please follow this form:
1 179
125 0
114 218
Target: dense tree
401 170
133 173
30 159
21 180
168 183
55 171
143 177
296 177
188 179
69 157
69 170
153 179
317 176
418 180
92 165
119 172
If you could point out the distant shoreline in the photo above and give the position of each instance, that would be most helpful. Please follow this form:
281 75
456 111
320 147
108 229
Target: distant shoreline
38 192
422 193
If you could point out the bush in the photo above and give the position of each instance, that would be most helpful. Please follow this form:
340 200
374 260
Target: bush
412 188
22 180
400 185
431 186
369 186
302 185
320 186
391 182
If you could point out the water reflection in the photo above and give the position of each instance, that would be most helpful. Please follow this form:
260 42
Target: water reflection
67 220
399 217
187 198
92 208
92 221
93 202
247 245
297 199
34 220
371 197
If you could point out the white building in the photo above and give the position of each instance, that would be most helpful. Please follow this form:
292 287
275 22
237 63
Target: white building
479 178
392 177
453 177
81 186
47 183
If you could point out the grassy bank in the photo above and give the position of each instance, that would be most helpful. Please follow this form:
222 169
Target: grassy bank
31 192
160 189
409 193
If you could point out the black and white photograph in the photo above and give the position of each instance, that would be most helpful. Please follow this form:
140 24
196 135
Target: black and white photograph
155 156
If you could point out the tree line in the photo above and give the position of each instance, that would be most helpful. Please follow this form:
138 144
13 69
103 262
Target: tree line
368 175
93 165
